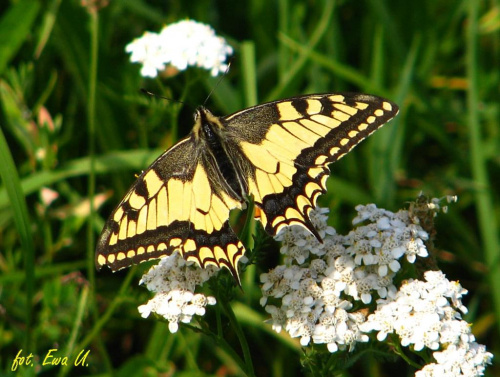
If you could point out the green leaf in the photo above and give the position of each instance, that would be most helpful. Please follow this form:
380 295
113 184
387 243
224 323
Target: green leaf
15 26
111 162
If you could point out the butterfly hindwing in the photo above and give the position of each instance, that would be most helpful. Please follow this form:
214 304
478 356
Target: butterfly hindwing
291 145
178 203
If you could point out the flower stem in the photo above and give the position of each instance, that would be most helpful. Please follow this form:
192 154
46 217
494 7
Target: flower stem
228 310
400 352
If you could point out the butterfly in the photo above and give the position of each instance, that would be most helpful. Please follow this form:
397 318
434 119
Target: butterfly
277 153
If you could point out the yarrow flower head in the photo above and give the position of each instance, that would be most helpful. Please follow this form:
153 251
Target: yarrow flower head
313 294
181 44
174 281
324 292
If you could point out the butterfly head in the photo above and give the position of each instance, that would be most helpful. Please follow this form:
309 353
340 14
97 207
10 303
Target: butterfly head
206 125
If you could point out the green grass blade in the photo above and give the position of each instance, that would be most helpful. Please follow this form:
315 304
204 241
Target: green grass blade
387 145
15 25
301 61
340 70
483 193
91 124
16 277
133 160
22 221
249 73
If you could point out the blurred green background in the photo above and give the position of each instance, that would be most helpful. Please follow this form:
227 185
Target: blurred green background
75 129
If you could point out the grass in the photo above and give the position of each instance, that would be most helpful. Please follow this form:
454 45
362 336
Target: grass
73 123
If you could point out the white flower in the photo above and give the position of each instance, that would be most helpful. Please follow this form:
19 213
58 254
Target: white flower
181 44
174 280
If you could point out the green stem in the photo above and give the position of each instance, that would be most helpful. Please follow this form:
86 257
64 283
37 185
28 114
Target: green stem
400 352
106 316
241 336
318 33
91 103
91 121
249 73
483 193
77 325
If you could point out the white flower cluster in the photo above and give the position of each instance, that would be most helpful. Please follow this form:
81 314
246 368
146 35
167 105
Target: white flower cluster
181 44
319 282
426 314
456 361
322 294
313 294
174 280
423 314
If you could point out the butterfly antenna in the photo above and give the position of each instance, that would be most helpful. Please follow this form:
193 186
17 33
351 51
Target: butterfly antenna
219 81
151 94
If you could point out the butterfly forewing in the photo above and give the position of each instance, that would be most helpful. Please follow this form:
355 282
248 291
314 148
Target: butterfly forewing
293 143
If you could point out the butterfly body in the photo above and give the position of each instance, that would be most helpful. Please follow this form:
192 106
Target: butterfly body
278 153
